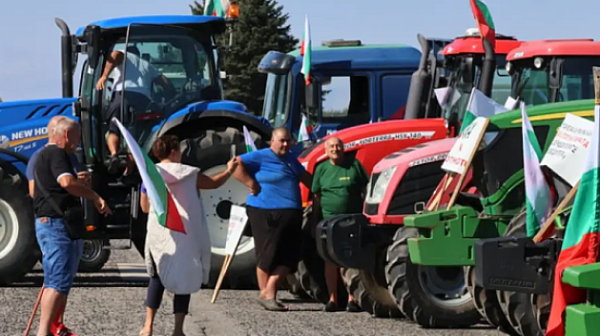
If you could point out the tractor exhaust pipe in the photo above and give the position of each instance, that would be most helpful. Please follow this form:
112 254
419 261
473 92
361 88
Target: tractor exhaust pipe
66 58
488 68
420 80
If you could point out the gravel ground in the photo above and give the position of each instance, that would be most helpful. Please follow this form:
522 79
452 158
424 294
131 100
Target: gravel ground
105 305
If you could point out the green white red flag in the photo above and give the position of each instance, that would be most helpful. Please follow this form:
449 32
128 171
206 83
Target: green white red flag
305 129
250 146
484 20
582 234
537 191
161 199
480 105
306 51
216 7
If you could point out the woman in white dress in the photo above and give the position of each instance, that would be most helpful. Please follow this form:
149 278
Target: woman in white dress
178 262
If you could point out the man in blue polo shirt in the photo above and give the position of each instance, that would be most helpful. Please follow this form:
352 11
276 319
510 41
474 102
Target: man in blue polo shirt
274 208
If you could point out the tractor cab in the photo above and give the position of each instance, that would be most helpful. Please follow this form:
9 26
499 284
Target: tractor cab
465 57
166 72
548 71
351 84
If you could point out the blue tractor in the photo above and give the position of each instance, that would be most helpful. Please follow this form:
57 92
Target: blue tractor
184 51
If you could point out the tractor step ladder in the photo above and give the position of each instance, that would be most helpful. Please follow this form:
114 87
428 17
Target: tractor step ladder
134 214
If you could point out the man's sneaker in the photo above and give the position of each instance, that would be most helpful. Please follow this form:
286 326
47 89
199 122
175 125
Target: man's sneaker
61 330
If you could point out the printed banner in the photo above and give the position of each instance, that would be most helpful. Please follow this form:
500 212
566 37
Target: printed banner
237 224
467 143
567 152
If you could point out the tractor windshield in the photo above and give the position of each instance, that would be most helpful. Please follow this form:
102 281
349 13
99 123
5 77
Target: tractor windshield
160 70
534 85
464 78
276 106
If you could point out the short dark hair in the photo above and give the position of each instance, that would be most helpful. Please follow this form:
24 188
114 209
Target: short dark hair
164 145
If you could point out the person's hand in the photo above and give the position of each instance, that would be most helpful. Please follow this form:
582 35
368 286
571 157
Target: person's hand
254 188
101 83
102 207
85 178
232 165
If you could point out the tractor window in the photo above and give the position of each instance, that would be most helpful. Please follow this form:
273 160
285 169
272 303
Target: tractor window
577 80
394 93
276 102
346 99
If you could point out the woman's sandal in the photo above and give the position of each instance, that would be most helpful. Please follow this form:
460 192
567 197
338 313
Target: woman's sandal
272 305
145 333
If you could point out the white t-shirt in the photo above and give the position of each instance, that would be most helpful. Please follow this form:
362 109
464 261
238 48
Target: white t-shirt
139 72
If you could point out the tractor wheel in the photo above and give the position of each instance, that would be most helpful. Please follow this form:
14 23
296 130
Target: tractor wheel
94 256
434 297
311 270
517 307
210 150
487 304
369 294
19 250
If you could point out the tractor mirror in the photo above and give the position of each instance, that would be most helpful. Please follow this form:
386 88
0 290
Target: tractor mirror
312 94
419 207
92 37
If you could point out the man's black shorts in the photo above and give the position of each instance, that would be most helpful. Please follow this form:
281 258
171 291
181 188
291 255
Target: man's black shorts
132 99
277 237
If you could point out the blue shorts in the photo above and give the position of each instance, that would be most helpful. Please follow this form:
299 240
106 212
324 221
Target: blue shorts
60 254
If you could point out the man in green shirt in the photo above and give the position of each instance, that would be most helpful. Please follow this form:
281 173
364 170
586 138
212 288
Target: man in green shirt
339 187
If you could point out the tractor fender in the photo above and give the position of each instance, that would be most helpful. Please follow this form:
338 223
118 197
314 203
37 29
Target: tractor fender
4 163
188 123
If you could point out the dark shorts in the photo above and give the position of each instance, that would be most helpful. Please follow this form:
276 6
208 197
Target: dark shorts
60 254
136 100
277 237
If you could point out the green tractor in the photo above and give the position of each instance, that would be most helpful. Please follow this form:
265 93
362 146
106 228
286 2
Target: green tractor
439 244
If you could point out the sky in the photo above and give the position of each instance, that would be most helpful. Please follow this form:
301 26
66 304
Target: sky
30 40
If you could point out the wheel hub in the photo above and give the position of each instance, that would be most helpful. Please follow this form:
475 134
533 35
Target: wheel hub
217 207
9 228
446 285
92 249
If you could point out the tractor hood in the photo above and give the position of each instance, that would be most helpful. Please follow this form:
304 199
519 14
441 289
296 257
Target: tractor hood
420 154
24 123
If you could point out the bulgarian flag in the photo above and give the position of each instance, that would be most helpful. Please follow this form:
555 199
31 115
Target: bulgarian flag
305 129
306 51
250 146
480 106
537 191
160 197
216 7
484 20
582 234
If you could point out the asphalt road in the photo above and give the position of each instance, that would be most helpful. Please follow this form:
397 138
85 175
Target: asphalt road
111 303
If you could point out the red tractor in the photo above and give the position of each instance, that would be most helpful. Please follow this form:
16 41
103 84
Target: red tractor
468 66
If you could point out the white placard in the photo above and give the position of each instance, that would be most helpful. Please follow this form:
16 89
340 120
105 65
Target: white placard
567 152
237 224
467 143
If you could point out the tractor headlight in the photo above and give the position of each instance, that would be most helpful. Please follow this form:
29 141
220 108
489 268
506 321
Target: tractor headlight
380 185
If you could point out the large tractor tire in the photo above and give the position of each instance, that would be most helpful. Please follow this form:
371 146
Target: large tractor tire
310 275
517 307
434 297
369 294
19 250
487 304
210 150
94 256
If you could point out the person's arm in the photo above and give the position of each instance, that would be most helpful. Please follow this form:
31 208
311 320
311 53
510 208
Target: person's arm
363 179
248 162
304 176
113 60
61 169
31 188
214 182
316 202
145 203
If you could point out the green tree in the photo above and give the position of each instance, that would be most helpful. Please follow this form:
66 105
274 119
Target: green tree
262 27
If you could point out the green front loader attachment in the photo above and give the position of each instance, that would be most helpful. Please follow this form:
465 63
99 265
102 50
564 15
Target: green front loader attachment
583 319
